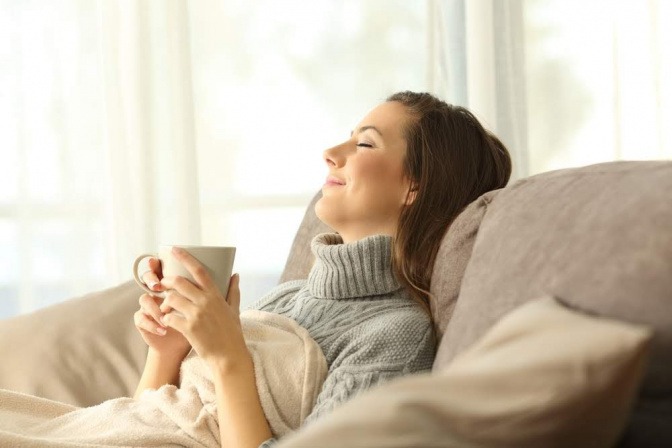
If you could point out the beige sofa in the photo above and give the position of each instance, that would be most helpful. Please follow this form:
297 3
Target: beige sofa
595 241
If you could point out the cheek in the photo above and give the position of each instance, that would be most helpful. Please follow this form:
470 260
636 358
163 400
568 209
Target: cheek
378 174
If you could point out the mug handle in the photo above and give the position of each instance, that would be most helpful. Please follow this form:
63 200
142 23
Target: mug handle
139 281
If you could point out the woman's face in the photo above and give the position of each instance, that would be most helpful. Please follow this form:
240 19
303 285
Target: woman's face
365 188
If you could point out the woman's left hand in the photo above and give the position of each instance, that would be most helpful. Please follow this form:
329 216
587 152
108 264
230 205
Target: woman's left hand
211 322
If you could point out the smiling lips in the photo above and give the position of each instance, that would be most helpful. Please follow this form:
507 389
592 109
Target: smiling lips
333 181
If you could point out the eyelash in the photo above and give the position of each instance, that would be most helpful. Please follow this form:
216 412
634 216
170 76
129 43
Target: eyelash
365 145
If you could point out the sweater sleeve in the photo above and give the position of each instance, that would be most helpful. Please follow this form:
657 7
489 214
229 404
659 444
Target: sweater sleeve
270 443
383 348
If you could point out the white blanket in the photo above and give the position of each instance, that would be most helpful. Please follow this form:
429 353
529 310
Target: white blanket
289 367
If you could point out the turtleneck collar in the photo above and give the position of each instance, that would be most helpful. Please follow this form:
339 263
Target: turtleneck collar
362 268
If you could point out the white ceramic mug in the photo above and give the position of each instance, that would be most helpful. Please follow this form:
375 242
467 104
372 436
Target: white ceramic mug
218 261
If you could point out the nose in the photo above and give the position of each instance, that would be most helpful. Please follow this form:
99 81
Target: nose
335 156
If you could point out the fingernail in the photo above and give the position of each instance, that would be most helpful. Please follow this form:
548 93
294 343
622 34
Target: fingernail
161 331
152 284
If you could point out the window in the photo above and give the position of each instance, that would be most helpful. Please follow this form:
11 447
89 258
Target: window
274 84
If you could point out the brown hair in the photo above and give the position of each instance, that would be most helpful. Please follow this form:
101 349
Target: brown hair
451 160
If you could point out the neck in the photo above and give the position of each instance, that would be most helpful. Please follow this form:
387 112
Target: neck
351 235
348 270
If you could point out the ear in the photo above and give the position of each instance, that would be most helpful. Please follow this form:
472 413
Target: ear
411 194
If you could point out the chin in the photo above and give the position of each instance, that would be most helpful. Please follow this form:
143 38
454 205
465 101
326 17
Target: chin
322 211
319 209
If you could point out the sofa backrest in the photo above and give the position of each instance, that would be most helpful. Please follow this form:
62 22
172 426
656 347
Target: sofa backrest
300 258
598 238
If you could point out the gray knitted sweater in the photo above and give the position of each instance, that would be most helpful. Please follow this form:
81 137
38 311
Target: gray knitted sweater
365 322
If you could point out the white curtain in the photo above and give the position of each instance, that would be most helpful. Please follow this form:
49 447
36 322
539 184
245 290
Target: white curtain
125 124
149 132
563 82
97 143
52 227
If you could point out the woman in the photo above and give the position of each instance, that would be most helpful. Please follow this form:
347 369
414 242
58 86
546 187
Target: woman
409 167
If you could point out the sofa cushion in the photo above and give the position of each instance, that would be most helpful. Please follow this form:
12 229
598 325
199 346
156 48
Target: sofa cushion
300 258
452 258
507 390
598 237
82 351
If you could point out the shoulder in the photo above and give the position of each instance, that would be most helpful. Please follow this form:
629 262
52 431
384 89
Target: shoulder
405 326
395 336
398 322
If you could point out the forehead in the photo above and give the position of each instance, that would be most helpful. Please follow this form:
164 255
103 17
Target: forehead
389 117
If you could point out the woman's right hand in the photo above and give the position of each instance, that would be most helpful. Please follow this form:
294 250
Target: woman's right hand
165 341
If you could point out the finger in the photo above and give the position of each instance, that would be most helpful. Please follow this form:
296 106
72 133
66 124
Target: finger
233 295
182 285
176 322
175 301
155 266
152 281
144 322
152 277
195 268
149 306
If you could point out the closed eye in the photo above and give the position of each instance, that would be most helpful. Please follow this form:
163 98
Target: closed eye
366 145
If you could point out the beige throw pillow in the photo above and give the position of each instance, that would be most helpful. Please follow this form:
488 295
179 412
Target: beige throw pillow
543 376
82 351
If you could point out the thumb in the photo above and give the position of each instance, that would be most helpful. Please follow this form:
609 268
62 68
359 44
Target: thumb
233 295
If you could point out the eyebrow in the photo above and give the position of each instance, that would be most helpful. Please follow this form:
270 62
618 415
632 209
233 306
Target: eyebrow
364 128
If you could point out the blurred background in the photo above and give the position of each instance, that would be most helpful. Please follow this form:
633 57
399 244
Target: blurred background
132 123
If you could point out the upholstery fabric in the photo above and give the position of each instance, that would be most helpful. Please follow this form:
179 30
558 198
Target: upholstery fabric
300 258
600 239
597 237
452 258
82 351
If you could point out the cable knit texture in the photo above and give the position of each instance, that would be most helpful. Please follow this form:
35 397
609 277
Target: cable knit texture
367 325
